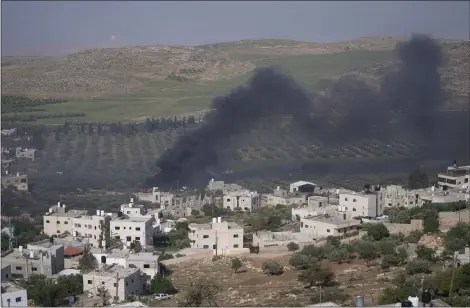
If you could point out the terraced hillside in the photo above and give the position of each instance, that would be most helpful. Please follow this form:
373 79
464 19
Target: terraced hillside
132 83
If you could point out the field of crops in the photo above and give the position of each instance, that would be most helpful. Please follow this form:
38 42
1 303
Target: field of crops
120 161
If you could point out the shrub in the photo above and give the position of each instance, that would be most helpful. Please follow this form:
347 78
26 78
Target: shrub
417 266
236 264
272 267
390 260
377 231
292 246
301 261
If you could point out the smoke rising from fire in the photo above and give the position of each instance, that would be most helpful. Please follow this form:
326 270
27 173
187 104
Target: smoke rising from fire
350 109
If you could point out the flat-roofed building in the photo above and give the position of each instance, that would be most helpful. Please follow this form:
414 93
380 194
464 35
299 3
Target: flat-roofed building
26 153
13 295
361 204
243 200
17 180
133 229
156 196
36 259
128 281
221 236
326 225
147 262
455 177
76 222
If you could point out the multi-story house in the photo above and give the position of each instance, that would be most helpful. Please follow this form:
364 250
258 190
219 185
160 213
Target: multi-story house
221 236
17 180
13 295
243 200
455 177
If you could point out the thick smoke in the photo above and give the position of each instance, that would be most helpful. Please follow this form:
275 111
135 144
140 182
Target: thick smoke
349 110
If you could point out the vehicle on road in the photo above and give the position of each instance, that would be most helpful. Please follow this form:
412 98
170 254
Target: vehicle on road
162 296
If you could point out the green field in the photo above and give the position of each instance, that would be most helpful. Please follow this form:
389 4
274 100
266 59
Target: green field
167 98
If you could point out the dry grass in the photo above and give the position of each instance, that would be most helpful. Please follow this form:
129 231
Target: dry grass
251 287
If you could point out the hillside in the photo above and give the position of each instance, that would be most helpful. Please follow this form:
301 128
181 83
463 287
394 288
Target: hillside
132 83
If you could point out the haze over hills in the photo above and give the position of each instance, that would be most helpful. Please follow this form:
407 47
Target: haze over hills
111 72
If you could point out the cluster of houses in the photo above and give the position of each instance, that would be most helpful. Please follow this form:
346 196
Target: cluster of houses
320 213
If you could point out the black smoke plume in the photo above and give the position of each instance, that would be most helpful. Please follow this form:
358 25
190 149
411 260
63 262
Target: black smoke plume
349 110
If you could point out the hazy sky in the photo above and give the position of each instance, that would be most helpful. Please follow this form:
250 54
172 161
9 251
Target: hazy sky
40 28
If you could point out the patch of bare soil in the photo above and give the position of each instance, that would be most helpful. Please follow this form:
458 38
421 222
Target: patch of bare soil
251 287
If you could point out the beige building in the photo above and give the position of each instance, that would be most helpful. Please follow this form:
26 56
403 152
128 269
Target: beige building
156 196
221 236
36 259
130 229
17 180
147 262
115 279
266 239
361 204
244 200
455 177
26 153
76 222
326 225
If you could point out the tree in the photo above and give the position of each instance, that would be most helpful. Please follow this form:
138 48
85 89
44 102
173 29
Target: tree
425 253
271 267
38 141
417 179
292 246
417 266
202 291
72 283
386 247
136 247
44 292
402 254
160 284
431 221
301 261
389 260
457 237
317 274
195 212
339 255
236 264
367 251
333 241
103 293
377 231
88 261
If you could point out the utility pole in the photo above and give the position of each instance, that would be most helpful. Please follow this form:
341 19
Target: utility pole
10 236
117 288
320 294
453 276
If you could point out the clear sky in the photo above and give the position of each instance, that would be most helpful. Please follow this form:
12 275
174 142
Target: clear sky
57 27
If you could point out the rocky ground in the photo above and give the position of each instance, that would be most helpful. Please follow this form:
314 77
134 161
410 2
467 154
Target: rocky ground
251 287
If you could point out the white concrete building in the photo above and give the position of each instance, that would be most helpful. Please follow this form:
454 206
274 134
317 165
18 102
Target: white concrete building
361 204
147 262
128 281
455 177
13 295
132 229
245 200
156 196
302 186
76 222
221 236
325 225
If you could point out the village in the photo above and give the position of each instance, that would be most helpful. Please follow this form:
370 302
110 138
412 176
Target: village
256 245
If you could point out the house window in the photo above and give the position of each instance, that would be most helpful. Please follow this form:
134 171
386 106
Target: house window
328 230
18 299
47 221
34 269
127 283
128 238
114 284
58 222
137 228
235 235
117 237
102 282
354 209
117 228
89 282
146 265
66 222
130 228
301 224
205 246
18 268
228 199
235 246
205 236
128 212
137 238
345 199
354 200
58 231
